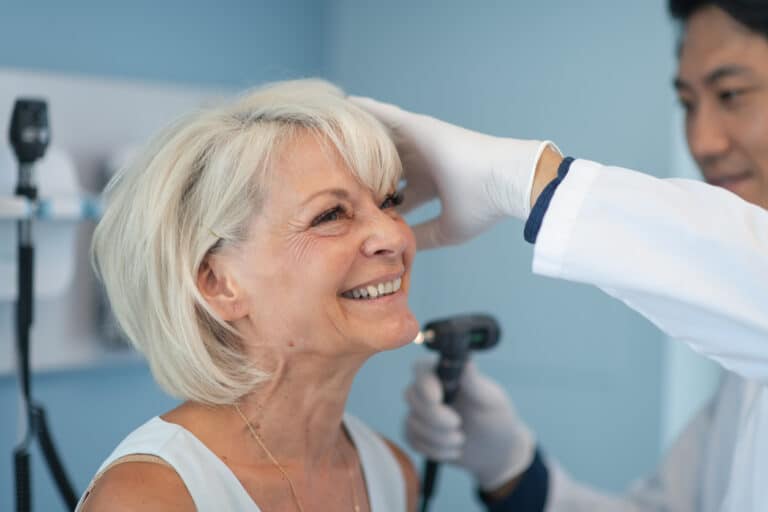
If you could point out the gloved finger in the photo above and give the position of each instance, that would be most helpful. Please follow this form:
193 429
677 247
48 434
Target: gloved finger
438 453
447 432
390 115
424 366
425 403
439 446
433 415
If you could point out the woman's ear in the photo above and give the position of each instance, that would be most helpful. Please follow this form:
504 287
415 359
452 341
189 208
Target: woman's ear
219 289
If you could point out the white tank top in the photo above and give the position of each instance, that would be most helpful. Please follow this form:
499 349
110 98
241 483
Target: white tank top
214 487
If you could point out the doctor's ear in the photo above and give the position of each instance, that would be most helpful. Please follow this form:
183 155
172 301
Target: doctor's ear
219 289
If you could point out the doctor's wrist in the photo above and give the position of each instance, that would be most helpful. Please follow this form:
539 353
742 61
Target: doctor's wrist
543 198
527 491
502 491
546 171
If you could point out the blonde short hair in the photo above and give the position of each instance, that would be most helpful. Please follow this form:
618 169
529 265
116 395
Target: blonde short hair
195 187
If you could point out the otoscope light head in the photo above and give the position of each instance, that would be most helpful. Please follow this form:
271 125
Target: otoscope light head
29 132
458 334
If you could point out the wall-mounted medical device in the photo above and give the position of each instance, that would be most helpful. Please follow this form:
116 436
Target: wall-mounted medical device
29 135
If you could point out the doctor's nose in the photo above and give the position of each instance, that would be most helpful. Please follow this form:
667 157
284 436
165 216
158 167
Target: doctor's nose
707 135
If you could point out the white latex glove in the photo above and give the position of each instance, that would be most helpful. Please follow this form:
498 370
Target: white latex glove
481 432
479 179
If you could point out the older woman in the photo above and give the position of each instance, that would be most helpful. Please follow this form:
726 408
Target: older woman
253 254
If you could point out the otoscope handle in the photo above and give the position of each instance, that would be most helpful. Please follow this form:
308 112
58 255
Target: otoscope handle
449 370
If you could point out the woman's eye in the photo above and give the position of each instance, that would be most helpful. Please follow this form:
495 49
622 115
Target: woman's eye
331 215
392 200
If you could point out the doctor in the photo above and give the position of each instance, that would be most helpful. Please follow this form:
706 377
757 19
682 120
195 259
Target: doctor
691 257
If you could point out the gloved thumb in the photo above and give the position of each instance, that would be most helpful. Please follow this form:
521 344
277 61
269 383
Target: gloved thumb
425 387
479 390
415 195
430 234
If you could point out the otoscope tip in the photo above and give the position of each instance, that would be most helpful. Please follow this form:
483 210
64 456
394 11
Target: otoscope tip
424 337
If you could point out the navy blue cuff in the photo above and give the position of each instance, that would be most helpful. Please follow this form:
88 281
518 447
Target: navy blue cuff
536 217
530 495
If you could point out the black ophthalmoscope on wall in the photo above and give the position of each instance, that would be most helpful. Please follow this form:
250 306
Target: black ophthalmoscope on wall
454 338
29 135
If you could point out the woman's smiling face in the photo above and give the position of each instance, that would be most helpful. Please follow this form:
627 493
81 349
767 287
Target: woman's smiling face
321 241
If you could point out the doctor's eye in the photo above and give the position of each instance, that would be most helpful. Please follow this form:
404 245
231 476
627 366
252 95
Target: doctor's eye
686 104
392 200
335 213
726 96
731 97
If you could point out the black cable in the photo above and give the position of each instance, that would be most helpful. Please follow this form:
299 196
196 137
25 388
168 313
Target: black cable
56 468
26 257
21 462
21 472
428 483
37 425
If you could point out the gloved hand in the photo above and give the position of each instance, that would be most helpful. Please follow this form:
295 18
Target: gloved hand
479 179
480 432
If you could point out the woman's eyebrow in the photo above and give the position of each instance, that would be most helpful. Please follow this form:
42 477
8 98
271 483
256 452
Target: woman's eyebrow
339 193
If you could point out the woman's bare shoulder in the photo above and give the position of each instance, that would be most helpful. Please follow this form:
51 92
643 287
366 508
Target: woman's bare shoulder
133 486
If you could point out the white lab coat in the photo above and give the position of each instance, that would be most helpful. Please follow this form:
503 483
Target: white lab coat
693 259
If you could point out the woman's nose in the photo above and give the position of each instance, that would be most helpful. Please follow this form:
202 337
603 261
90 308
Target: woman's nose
387 236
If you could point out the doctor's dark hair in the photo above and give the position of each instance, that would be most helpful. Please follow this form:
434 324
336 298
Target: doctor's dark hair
197 188
753 14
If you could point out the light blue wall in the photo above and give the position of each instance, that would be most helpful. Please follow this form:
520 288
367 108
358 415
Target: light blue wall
592 75
231 42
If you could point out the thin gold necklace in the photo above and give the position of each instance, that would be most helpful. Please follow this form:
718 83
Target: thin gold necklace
350 467
271 457
257 438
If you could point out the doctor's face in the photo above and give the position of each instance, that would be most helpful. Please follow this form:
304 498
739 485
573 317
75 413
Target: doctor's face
326 266
722 83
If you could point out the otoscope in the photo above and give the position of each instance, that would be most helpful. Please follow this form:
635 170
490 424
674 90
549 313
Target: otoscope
29 135
453 338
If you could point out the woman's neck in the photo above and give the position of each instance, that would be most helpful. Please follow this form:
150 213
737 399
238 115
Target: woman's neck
297 413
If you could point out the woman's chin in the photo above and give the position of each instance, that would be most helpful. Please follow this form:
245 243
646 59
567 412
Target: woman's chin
398 336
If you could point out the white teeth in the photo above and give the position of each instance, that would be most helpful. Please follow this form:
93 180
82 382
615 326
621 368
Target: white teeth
375 290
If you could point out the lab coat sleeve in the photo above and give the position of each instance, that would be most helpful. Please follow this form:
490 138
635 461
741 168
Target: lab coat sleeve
674 486
690 257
